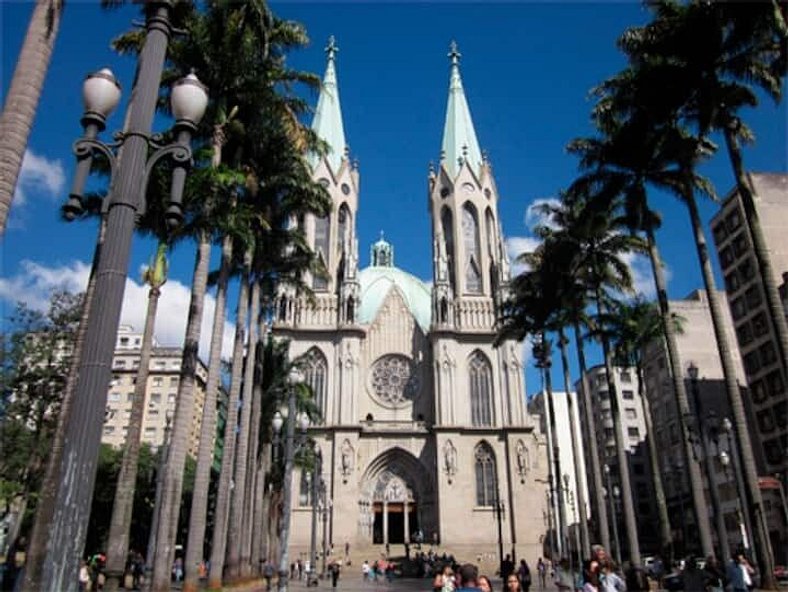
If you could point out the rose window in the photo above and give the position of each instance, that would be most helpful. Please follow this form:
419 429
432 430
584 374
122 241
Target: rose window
394 380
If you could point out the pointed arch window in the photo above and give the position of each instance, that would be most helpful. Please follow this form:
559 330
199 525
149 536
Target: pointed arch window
470 243
486 479
448 235
315 371
322 230
480 377
490 229
344 223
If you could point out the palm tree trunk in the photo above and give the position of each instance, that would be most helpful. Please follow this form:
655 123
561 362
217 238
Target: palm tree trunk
665 534
553 458
586 407
732 388
260 527
195 552
219 544
184 412
22 100
254 530
254 443
580 497
239 491
621 451
682 403
771 293
46 501
120 523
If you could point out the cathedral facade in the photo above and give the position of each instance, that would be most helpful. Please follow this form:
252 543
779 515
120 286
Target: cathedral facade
425 434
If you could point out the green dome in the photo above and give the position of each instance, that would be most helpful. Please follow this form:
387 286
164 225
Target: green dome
377 281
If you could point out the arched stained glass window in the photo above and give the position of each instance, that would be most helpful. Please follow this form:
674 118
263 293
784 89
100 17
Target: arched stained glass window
315 372
448 235
470 243
344 223
490 229
322 230
480 376
486 481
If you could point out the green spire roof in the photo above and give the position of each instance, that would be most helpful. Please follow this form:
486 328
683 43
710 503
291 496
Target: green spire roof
328 115
459 137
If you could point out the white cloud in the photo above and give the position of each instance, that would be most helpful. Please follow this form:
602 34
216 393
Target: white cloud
36 281
516 246
642 276
534 217
41 176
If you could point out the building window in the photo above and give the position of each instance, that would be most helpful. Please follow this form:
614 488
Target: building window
114 397
751 363
119 363
753 296
603 395
766 421
726 257
744 334
630 413
776 384
486 483
738 308
124 341
626 376
758 391
746 270
480 378
720 233
759 325
129 397
171 398
109 430
609 434
628 395
157 381
173 381
739 244
321 249
732 282
155 398
470 242
315 370
733 221
767 352
633 433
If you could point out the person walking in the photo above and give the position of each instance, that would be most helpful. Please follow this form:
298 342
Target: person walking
513 584
468 578
740 574
524 575
507 567
541 569
591 576
335 569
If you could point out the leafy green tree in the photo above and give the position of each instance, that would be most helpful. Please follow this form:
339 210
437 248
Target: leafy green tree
36 358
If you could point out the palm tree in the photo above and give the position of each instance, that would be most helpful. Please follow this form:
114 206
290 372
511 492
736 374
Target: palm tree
618 167
120 523
632 326
218 545
23 94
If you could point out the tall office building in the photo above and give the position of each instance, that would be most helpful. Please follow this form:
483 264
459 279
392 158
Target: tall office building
633 428
766 370
696 346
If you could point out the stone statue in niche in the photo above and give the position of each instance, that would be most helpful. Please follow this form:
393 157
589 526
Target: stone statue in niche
346 460
522 460
449 459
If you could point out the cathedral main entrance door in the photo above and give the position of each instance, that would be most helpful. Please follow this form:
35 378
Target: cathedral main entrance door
394 523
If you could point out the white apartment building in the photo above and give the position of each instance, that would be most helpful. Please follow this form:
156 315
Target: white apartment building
565 423
160 395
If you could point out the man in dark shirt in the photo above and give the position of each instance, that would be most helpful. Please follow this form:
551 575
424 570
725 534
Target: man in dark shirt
468 576
507 567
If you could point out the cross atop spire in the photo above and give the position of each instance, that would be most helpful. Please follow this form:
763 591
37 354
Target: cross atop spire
460 145
454 54
332 49
327 123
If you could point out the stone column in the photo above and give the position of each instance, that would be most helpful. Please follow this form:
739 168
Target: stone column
406 521
385 523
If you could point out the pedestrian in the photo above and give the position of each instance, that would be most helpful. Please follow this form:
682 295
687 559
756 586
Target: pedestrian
524 575
485 585
563 576
468 578
268 573
591 576
541 569
715 580
513 584
609 580
84 576
507 567
692 577
335 568
740 573
444 581
365 570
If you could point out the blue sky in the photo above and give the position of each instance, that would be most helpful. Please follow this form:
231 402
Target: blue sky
527 68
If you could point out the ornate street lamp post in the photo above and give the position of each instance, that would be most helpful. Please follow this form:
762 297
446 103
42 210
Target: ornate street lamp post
130 172
295 378
317 477
733 450
611 493
722 533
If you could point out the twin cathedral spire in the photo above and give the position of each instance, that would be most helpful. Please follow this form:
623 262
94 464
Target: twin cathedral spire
470 266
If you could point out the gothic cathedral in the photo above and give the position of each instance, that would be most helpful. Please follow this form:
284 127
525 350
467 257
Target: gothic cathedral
425 433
